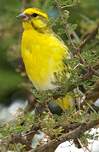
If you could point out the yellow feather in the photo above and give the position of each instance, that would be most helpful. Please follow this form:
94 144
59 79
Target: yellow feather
43 55
42 51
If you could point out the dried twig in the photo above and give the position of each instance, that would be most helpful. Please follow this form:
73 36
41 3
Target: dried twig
76 133
65 23
25 138
92 94
86 38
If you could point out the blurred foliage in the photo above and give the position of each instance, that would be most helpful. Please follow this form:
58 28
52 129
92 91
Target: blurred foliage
83 16
80 16
9 79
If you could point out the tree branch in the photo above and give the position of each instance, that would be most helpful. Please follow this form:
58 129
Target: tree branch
86 38
76 133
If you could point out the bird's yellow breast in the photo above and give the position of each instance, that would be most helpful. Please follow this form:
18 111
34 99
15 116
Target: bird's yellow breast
43 56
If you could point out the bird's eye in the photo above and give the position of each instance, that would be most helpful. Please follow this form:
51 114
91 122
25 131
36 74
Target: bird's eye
34 15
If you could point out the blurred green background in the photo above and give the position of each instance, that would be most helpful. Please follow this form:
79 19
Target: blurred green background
85 13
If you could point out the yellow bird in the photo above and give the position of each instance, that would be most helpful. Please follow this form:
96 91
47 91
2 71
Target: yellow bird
42 51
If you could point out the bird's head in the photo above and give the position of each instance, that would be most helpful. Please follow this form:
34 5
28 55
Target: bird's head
34 18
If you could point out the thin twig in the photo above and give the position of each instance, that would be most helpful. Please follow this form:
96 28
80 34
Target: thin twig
86 38
64 23
76 133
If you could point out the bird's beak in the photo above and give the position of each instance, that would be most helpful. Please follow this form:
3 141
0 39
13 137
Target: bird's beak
23 16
